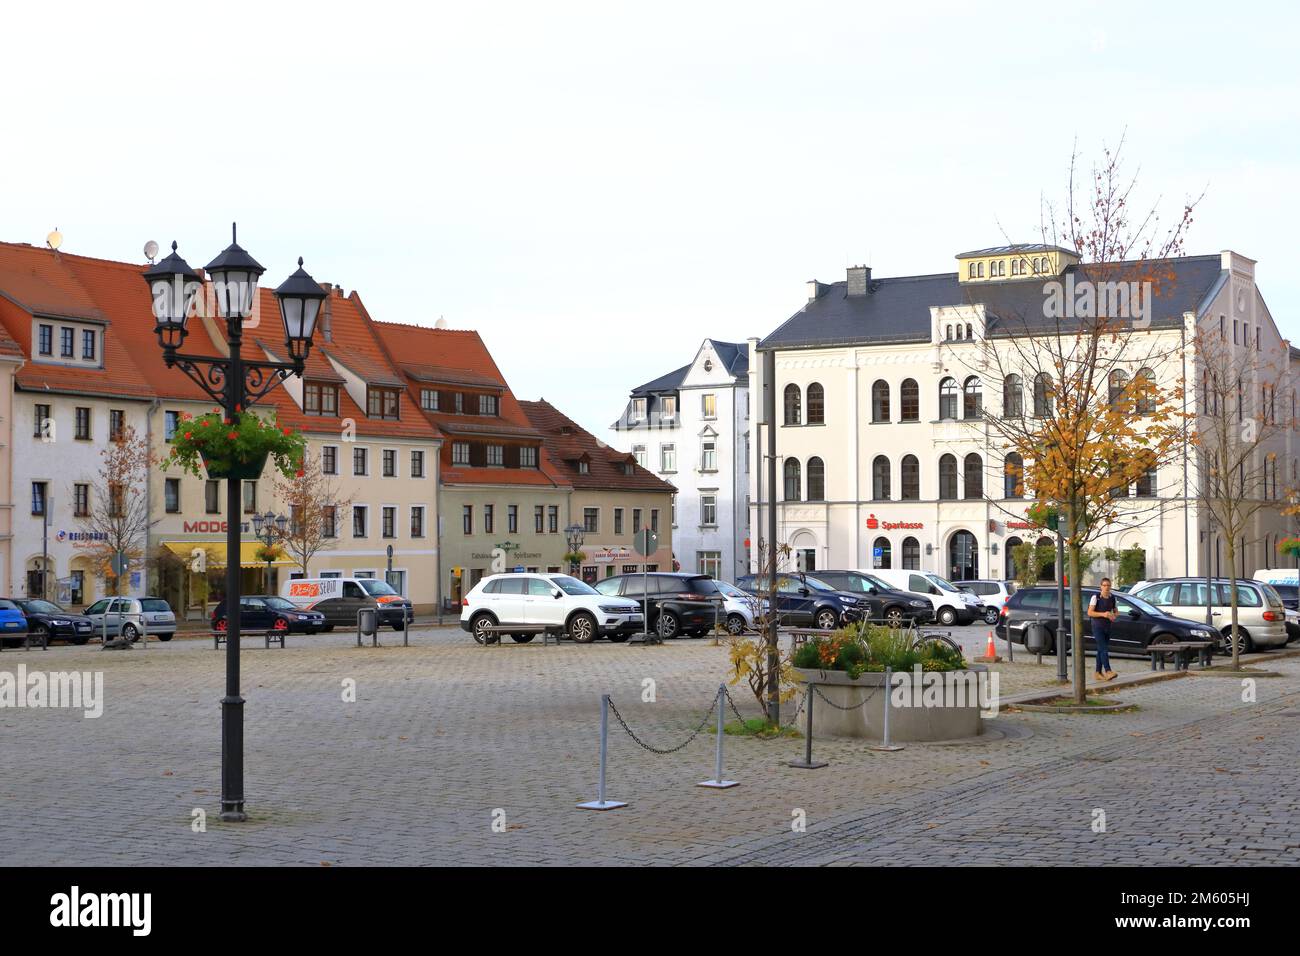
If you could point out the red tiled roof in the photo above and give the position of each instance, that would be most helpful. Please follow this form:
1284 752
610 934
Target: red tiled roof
568 442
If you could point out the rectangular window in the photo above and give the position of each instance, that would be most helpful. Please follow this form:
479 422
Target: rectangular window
496 456
358 521
668 407
467 519
417 463
329 518
709 510
82 432
537 519
709 405
638 409
116 500
618 520
417 521
390 463
709 562
212 497
429 399
591 520
487 404
638 452
250 497
636 520
171 421
329 460
116 424
553 519
81 500
654 520
65 342
88 344
360 461
708 455
489 519
172 495
668 458
460 453
42 416
45 339
389 521
512 519
528 458
38 497
320 399
672 510
460 403
382 402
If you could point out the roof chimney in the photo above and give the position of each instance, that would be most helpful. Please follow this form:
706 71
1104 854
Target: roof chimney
859 280
327 318
815 289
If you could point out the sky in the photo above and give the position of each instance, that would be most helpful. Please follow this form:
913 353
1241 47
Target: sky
597 187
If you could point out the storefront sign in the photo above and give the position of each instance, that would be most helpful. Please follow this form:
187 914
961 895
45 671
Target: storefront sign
81 536
211 527
873 523
607 555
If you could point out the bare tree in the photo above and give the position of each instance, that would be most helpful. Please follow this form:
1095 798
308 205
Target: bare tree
117 519
315 509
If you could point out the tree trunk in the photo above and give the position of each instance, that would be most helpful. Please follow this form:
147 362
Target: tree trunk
1232 597
1076 626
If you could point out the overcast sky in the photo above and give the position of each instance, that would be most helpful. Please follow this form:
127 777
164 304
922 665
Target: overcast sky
597 187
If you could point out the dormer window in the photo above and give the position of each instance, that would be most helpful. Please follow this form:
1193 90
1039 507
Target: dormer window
383 402
45 340
88 344
320 399
527 457
638 409
583 467
429 399
668 406
487 405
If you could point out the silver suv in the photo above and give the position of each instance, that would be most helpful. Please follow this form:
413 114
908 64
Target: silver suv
1261 617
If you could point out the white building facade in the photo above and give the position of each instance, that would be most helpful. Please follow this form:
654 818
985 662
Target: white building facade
691 428
886 459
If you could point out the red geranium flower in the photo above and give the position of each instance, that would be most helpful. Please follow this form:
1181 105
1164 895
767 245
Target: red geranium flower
233 435
189 434
299 473
203 424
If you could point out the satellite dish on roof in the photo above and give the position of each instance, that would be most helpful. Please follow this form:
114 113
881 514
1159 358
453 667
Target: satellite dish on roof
151 250
54 239
441 323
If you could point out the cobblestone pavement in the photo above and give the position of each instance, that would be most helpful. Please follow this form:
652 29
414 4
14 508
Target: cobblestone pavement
445 737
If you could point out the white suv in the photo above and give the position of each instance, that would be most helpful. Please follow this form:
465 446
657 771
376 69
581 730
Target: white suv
545 602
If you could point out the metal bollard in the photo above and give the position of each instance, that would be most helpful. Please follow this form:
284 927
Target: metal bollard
807 763
717 783
600 803
886 744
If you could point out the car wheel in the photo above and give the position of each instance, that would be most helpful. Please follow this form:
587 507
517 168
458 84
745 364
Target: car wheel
669 626
131 633
161 637
1159 639
991 615
1243 637
41 633
735 625
826 619
582 628
522 638
947 616
479 628
79 639
894 617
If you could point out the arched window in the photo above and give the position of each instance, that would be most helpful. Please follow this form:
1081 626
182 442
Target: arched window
911 554
969 333
948 398
1013 397
963 557
1013 480
792 405
909 398
1042 395
1010 572
1117 381
948 478
911 478
947 333
1146 399
972 404
880 478
881 553
981 270
816 479
973 470
880 401
792 479
1047 570
959 331
816 404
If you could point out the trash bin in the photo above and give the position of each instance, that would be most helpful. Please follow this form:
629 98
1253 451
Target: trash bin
368 621
1038 639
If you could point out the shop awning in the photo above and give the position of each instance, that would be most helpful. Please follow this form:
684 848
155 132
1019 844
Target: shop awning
216 553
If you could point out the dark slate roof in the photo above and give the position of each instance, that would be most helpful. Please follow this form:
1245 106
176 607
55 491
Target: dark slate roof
734 355
664 383
897 310
1015 247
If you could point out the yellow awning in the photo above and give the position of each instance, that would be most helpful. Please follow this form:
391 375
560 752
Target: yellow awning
216 553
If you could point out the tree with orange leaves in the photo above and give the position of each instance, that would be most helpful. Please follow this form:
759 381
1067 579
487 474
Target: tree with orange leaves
117 519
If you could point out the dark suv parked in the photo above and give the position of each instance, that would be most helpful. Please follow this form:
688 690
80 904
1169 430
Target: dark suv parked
49 622
675 603
1138 625
884 603
805 601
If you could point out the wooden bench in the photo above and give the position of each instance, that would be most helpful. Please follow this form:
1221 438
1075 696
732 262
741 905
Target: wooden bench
270 634
547 631
1181 652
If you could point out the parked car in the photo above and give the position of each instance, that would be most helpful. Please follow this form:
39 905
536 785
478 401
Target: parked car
677 602
1261 616
270 612
992 594
13 623
741 611
126 616
802 600
951 605
546 600
49 622
1139 623
1276 576
339 599
884 602
1290 595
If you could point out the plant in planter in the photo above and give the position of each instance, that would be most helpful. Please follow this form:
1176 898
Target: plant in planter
1289 547
870 649
574 557
268 553
236 448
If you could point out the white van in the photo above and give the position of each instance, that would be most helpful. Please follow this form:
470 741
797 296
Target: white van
1277 576
339 599
951 606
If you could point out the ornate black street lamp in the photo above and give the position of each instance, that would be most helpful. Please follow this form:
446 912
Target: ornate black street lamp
268 529
235 383
574 536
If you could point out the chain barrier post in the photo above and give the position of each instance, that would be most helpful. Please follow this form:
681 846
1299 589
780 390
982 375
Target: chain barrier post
600 803
807 763
717 783
886 744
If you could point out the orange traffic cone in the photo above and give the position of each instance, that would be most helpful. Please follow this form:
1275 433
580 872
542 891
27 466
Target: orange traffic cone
990 653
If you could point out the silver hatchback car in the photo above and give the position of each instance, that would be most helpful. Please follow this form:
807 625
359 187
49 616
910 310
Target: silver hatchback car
130 617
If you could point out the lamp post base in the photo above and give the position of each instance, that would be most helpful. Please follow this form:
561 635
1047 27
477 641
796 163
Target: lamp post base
233 816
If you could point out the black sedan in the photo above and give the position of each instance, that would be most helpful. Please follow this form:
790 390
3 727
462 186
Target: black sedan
269 612
884 604
804 601
47 622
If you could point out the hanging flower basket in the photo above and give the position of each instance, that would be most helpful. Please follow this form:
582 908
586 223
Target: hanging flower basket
1289 547
268 555
238 448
